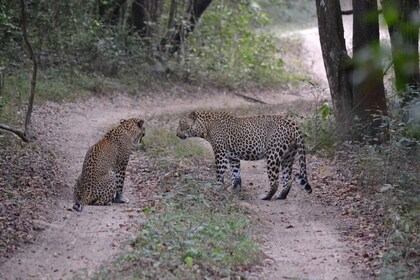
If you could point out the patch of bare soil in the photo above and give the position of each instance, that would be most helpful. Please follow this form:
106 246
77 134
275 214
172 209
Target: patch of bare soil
301 235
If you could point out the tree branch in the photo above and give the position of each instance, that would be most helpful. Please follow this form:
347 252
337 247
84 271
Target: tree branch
350 12
15 131
251 99
34 70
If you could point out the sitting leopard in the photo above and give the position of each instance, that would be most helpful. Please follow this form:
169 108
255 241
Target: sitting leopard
272 137
103 172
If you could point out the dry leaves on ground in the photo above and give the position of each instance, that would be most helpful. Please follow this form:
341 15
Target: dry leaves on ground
29 178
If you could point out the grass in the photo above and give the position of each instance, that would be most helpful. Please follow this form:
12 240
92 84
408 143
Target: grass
194 236
160 142
413 131
196 230
52 85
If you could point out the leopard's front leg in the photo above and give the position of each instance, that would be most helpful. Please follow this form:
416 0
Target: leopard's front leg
235 164
221 166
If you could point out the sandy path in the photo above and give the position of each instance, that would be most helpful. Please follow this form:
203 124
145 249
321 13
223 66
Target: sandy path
301 236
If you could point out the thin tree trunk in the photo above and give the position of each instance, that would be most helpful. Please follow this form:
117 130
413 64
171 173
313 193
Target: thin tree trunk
404 32
145 13
367 79
336 62
172 10
34 69
172 40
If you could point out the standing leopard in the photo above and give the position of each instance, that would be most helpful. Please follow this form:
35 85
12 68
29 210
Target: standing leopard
272 137
103 172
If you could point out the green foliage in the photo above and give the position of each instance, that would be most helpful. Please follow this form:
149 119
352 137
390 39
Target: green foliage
412 131
289 15
195 235
226 50
51 86
79 49
160 142
319 129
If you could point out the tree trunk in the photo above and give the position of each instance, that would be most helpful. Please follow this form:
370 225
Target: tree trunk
403 26
34 70
25 135
336 62
172 10
112 12
173 40
367 79
146 15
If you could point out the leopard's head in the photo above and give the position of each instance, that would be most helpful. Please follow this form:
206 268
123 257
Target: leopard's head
134 128
191 125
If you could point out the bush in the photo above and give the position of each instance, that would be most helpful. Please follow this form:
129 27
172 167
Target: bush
227 51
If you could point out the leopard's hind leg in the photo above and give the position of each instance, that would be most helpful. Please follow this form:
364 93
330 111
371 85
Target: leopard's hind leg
235 164
273 170
119 182
287 166
103 191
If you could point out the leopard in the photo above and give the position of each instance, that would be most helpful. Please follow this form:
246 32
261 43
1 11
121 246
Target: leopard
271 137
103 172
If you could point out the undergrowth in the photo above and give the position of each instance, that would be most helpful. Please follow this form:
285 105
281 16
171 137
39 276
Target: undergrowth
29 179
162 143
194 234
388 174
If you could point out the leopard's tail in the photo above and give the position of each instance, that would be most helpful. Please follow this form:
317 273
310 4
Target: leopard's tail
78 207
301 178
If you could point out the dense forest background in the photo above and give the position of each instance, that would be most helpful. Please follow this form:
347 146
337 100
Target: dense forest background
105 46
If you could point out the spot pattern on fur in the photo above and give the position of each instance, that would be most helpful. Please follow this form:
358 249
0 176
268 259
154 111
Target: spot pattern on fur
102 179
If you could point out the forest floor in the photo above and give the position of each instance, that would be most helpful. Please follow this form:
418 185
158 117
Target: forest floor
305 237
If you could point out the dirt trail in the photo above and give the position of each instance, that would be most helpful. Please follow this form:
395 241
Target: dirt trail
301 238
301 234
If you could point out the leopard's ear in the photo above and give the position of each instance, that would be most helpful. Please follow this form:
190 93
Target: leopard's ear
122 120
193 115
140 123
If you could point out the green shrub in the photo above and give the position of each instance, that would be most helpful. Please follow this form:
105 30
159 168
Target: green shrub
159 142
191 236
319 129
227 51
